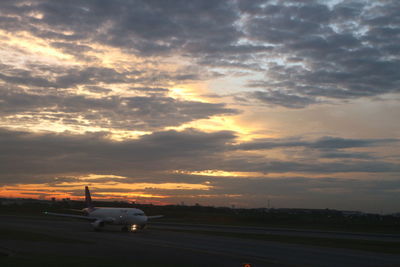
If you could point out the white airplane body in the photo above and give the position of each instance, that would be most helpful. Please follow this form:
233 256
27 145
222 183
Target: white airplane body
130 219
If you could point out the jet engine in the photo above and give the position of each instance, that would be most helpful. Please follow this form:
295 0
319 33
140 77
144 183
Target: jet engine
98 225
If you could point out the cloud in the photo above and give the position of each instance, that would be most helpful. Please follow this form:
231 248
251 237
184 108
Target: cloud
302 191
274 166
130 113
354 155
323 143
148 27
344 52
277 98
26 153
46 76
29 154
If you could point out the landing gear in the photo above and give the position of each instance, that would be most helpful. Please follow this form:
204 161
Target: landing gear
131 228
98 225
134 228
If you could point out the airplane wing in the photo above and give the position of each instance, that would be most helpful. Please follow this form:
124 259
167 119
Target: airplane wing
88 218
76 210
155 216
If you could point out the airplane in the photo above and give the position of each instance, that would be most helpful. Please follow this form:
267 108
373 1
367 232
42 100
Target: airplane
130 219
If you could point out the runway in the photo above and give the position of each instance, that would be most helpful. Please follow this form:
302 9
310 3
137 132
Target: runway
278 231
160 247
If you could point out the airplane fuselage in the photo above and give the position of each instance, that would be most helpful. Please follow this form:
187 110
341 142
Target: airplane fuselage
120 216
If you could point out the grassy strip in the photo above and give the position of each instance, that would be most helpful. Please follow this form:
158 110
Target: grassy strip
41 260
365 245
12 234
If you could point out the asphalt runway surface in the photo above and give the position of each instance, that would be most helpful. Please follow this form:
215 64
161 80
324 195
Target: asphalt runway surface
278 231
161 247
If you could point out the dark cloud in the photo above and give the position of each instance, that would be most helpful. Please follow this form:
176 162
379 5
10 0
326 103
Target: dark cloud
303 185
348 51
277 98
323 143
354 155
310 156
150 89
344 51
274 166
149 27
301 192
28 154
129 113
43 76
97 89
24 77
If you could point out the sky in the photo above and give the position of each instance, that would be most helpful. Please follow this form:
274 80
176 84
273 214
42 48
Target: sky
224 103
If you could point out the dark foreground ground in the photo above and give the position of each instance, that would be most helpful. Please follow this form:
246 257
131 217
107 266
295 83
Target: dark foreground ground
38 241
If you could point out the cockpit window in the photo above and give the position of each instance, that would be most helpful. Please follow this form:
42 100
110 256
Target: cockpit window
138 214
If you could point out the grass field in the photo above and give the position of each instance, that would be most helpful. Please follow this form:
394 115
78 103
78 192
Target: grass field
14 234
42 260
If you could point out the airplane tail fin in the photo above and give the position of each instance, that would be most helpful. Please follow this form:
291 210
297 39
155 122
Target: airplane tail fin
88 199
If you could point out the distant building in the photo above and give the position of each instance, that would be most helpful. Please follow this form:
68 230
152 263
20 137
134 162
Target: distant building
349 213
